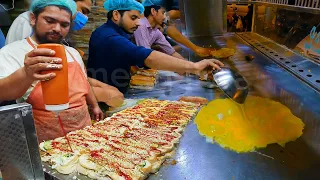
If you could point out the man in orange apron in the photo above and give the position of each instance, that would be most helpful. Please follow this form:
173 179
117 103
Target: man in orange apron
21 29
21 62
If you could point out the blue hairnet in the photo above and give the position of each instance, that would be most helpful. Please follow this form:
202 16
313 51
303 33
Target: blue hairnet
110 5
146 3
73 6
38 4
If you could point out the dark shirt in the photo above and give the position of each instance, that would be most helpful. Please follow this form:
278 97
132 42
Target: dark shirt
111 54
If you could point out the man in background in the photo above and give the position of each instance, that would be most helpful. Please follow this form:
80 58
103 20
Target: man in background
148 33
172 6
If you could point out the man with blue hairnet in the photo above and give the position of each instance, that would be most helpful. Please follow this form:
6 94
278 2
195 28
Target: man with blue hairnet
154 13
21 63
148 34
21 28
111 53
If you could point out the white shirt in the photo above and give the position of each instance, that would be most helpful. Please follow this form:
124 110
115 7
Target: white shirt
12 58
20 28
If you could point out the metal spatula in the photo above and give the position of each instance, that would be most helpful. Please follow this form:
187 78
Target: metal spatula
232 84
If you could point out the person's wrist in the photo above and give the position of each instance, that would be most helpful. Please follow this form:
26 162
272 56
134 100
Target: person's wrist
95 105
27 78
194 48
191 67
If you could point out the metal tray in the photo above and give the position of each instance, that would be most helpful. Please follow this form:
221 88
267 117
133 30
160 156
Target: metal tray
200 160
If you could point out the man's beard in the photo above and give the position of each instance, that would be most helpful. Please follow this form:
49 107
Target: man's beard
121 25
44 38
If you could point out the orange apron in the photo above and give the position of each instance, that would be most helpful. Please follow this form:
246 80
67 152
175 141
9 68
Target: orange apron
76 117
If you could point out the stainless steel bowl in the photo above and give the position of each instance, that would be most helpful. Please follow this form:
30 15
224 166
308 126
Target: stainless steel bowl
232 84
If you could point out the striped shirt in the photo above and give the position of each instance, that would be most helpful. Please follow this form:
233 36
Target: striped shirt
147 36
